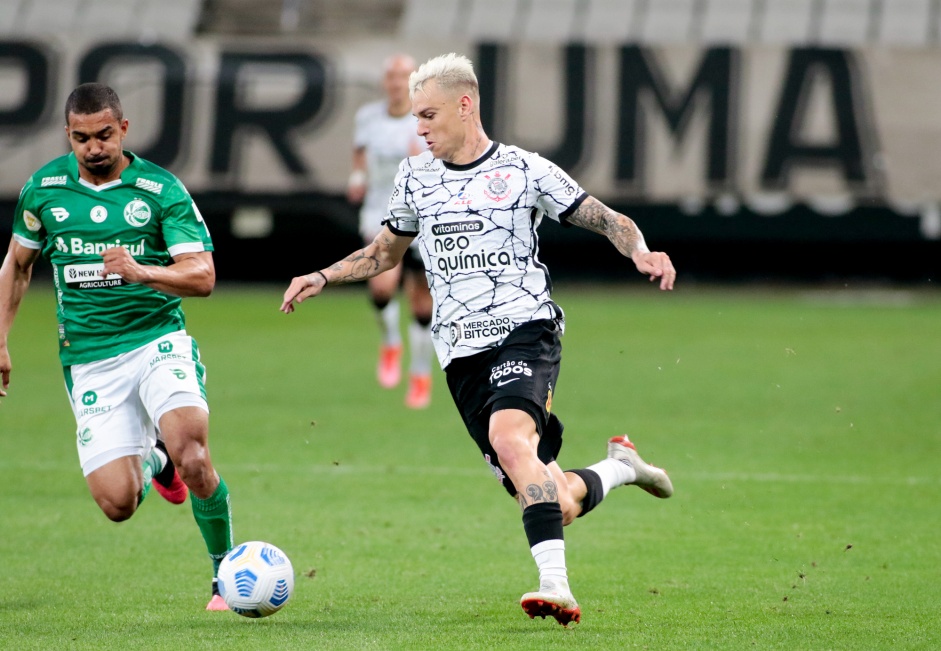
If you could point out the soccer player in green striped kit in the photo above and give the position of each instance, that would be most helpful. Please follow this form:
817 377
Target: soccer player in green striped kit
126 242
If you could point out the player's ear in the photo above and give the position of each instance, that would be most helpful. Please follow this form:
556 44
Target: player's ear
466 106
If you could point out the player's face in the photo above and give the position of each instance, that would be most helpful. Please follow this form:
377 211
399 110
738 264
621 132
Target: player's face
97 139
395 80
440 120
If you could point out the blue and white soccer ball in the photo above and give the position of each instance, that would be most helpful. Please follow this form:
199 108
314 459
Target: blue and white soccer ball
256 579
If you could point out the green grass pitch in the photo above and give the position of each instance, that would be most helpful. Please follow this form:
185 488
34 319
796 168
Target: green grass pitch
802 430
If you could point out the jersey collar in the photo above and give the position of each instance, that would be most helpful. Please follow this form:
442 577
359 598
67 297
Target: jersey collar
73 170
487 154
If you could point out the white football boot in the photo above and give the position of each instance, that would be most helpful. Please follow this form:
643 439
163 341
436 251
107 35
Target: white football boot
652 479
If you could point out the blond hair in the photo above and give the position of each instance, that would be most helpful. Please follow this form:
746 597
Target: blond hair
450 71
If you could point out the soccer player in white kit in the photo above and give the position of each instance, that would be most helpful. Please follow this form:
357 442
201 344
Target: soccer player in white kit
473 206
385 134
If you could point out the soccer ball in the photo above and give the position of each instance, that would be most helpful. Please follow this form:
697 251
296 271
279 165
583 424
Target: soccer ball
256 579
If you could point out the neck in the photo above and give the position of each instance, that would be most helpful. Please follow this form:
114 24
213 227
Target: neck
398 109
473 150
113 175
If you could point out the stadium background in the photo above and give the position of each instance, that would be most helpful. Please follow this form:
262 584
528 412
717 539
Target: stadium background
750 139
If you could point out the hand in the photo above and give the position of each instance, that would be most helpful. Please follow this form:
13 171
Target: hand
356 193
656 264
5 368
302 287
119 260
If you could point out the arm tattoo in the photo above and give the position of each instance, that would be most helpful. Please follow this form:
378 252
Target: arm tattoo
361 264
619 229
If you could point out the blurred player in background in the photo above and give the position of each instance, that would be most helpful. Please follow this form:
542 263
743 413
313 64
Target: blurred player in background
385 134
125 241
473 206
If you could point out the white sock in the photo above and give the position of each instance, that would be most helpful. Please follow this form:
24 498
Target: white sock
162 457
389 323
613 473
420 347
550 559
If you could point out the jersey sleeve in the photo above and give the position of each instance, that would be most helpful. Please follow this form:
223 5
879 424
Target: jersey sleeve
28 229
558 195
184 229
401 218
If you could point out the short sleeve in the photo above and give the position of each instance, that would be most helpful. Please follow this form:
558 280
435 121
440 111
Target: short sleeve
557 193
184 229
401 218
28 229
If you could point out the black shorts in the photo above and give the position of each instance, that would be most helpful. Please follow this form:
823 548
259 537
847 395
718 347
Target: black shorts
412 261
520 373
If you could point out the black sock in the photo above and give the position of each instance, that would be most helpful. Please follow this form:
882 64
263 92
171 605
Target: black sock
595 489
542 521
165 476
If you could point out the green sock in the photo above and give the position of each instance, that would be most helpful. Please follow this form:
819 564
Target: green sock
214 519
151 465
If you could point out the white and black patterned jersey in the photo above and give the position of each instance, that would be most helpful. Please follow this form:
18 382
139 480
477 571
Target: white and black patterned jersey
476 230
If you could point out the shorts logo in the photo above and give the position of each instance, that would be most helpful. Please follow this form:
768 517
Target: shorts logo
165 347
99 214
61 214
519 369
497 189
32 222
180 375
89 398
84 437
137 213
549 400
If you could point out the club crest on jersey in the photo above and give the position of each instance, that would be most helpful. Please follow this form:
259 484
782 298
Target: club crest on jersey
497 187
137 213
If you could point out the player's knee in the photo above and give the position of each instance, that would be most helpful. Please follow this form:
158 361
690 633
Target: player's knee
192 461
511 450
196 469
118 510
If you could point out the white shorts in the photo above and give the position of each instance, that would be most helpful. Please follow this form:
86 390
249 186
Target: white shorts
116 401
